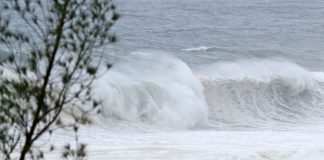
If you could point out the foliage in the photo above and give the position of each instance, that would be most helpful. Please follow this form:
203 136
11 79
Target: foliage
49 68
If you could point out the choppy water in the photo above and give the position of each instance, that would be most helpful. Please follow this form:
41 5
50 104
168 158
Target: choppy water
225 30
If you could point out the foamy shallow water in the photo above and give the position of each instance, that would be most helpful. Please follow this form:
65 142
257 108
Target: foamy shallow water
297 144
157 107
242 110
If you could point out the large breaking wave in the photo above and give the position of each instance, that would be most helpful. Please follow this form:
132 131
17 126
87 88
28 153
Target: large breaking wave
262 92
153 88
161 90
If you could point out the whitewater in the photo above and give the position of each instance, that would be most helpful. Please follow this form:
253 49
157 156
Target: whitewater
154 106
159 89
209 80
213 80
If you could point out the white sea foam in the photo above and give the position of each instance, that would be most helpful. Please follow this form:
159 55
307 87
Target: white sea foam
201 48
261 92
155 88
158 89
259 70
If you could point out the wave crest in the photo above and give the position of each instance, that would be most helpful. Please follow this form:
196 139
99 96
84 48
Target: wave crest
255 93
153 88
159 89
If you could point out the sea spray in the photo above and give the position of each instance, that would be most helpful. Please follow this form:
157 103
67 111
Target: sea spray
154 88
159 89
258 93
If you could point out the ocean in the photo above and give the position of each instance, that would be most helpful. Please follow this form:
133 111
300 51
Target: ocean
211 80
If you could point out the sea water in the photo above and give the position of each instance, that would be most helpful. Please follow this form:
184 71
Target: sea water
211 80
